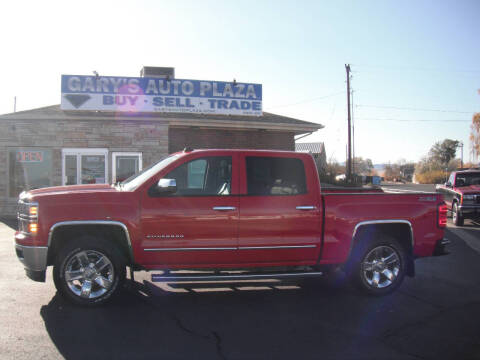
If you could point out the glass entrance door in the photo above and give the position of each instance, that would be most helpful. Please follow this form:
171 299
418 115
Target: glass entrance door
93 169
70 168
84 166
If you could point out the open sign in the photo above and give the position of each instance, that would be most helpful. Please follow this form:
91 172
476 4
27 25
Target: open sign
29 156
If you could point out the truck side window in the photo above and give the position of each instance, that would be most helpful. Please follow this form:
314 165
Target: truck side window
451 180
209 176
275 176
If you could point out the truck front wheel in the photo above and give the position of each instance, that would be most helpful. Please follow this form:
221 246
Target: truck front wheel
380 266
88 271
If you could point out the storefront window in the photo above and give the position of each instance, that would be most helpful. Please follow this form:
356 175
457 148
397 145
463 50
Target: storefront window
196 173
29 169
125 164
93 169
84 166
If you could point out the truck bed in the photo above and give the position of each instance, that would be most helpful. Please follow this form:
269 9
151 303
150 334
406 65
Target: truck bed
413 210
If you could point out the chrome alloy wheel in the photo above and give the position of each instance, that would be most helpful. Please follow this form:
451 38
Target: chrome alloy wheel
381 266
89 274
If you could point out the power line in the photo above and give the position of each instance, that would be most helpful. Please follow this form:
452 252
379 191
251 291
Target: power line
412 120
418 68
415 109
308 100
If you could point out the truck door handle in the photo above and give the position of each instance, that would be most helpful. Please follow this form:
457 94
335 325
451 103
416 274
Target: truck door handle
306 207
224 208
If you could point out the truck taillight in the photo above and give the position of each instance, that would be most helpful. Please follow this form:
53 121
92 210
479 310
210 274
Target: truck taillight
442 215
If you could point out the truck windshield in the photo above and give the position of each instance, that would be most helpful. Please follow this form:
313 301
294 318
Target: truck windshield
136 180
468 179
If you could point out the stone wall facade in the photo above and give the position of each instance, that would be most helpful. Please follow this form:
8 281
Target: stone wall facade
196 138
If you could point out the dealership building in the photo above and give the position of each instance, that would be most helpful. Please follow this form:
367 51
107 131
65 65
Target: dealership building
108 128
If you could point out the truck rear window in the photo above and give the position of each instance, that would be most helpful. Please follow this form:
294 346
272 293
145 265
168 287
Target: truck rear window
275 176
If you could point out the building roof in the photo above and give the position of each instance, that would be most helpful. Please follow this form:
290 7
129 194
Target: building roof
314 148
267 121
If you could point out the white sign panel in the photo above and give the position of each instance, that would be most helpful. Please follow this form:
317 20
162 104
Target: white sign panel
109 93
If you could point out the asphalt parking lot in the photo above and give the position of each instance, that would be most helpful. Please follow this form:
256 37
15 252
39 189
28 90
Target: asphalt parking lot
435 315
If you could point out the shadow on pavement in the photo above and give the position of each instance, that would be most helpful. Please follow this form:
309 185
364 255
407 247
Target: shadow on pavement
147 322
11 222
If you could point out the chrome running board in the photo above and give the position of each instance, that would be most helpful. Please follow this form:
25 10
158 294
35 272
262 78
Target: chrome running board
230 276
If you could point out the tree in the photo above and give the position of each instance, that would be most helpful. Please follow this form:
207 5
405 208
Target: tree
475 135
362 166
443 152
435 167
332 169
406 170
392 172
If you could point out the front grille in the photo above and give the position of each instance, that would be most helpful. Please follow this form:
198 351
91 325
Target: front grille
23 208
23 225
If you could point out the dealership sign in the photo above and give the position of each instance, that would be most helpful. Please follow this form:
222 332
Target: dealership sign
143 94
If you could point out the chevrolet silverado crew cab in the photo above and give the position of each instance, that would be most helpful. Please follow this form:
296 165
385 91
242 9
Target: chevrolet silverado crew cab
239 214
462 195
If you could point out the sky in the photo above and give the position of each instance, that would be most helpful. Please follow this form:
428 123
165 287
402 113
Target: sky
415 64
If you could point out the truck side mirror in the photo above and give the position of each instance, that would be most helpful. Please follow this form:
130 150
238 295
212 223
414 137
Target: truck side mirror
447 184
166 186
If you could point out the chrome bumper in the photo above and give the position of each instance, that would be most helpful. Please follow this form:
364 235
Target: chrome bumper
469 209
34 258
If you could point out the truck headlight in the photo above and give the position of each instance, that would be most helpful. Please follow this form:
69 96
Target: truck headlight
27 216
33 210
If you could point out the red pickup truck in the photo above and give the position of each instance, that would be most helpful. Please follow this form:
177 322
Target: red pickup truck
462 195
240 214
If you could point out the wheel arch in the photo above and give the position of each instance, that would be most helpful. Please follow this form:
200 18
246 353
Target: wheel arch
400 230
114 231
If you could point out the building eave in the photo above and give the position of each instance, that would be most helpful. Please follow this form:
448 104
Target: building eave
270 122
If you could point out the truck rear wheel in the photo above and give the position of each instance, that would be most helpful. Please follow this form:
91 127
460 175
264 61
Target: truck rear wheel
457 217
88 271
379 266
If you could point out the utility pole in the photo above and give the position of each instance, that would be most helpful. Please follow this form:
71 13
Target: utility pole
15 104
349 146
353 138
461 159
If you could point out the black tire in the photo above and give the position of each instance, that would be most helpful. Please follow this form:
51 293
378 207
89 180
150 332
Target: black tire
363 270
89 285
457 217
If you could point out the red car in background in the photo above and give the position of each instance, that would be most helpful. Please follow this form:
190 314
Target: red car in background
462 195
